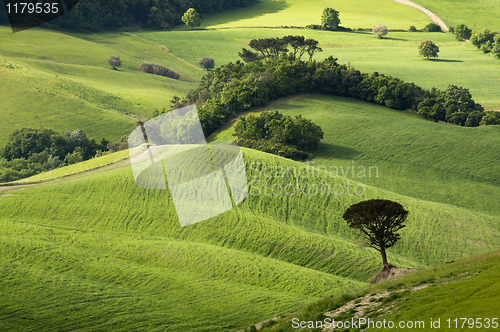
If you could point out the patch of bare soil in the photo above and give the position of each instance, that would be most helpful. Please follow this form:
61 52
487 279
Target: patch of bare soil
392 272
367 304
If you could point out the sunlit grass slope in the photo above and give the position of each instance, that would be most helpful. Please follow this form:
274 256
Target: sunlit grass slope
462 296
97 252
459 63
477 15
61 82
353 14
415 157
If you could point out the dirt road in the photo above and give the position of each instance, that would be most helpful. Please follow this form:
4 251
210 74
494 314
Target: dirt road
427 12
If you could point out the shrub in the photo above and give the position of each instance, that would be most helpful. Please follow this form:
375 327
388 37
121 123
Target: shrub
207 63
114 62
379 30
432 27
428 49
412 28
330 19
483 40
155 69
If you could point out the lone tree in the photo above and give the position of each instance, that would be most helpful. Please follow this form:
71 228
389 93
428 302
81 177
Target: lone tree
462 32
207 63
428 49
330 19
377 221
115 61
379 30
191 18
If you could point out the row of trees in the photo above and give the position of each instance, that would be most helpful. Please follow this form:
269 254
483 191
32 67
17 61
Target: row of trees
274 47
283 135
237 87
99 15
31 151
486 40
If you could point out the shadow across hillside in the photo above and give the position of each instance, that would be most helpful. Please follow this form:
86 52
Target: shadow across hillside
445 60
337 151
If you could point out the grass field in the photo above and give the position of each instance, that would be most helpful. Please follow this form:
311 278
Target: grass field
97 235
467 288
63 82
84 248
477 15
353 14
415 157
459 63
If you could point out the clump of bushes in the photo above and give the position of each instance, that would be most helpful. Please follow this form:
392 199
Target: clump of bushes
432 27
283 135
155 69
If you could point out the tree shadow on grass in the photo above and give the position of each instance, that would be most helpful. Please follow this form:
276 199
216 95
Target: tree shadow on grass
392 38
445 60
337 151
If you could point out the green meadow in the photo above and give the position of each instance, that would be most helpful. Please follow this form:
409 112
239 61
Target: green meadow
84 248
459 63
353 14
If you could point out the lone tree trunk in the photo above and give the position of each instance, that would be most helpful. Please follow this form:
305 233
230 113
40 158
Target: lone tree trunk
384 258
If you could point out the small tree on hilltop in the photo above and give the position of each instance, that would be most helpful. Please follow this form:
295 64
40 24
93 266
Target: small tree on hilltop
114 62
462 32
377 221
379 30
428 49
207 63
191 18
330 19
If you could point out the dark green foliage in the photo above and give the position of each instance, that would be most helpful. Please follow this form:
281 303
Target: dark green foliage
155 69
428 49
31 151
490 118
377 221
207 63
249 56
483 40
330 19
234 88
496 46
432 27
279 134
412 28
100 15
462 32
191 18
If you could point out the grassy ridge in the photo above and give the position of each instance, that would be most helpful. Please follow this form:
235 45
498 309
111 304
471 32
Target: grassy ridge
66 83
353 14
459 63
100 239
467 288
415 157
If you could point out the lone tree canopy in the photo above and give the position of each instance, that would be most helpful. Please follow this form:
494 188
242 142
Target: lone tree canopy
330 19
115 61
428 49
207 63
379 30
377 221
191 18
462 32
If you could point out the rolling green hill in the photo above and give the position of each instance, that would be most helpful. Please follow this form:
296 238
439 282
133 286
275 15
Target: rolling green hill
459 63
72 241
63 82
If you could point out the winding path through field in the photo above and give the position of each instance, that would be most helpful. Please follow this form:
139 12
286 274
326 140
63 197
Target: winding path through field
427 12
